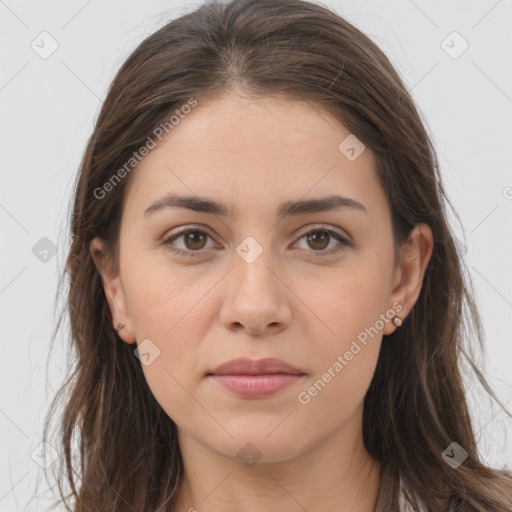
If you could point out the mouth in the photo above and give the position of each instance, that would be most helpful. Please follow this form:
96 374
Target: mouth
255 378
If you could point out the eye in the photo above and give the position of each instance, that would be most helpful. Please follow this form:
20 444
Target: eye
319 238
193 239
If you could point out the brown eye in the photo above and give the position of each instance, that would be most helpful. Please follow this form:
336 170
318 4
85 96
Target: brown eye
192 242
318 240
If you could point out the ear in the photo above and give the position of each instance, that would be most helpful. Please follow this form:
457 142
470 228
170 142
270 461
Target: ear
408 279
114 291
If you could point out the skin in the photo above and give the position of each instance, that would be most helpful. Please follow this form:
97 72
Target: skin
292 302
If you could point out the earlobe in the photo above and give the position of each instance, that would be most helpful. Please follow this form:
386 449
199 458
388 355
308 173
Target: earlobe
415 256
114 292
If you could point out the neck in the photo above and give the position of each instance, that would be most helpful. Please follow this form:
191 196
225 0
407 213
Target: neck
335 475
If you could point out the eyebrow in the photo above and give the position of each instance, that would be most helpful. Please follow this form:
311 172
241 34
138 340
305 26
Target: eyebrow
287 208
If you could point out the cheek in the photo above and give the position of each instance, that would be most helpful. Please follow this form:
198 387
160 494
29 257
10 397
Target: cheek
345 356
349 303
171 306
161 297
163 309
352 307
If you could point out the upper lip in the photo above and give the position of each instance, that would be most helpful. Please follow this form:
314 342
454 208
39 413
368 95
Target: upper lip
246 366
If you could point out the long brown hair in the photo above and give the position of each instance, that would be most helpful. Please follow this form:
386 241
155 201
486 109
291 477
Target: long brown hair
127 456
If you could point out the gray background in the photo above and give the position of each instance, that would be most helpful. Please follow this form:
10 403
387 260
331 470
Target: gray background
49 105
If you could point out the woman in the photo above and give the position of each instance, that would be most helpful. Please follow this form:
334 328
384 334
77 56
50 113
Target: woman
266 301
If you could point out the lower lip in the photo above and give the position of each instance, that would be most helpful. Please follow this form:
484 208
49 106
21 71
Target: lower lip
256 386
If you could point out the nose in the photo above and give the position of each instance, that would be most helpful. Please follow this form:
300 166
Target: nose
256 297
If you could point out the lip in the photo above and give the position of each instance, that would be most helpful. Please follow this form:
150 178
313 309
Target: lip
256 378
246 366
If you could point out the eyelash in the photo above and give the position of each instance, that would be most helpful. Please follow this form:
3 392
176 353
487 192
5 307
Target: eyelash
344 243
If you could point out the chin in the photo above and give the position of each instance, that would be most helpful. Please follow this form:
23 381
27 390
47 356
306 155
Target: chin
257 443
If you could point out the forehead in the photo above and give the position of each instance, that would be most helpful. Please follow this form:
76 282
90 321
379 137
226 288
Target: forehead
257 152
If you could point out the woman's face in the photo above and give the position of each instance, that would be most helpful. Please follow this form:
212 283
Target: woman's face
249 283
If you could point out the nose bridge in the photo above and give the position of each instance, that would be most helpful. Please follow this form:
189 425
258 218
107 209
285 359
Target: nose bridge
253 262
255 297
